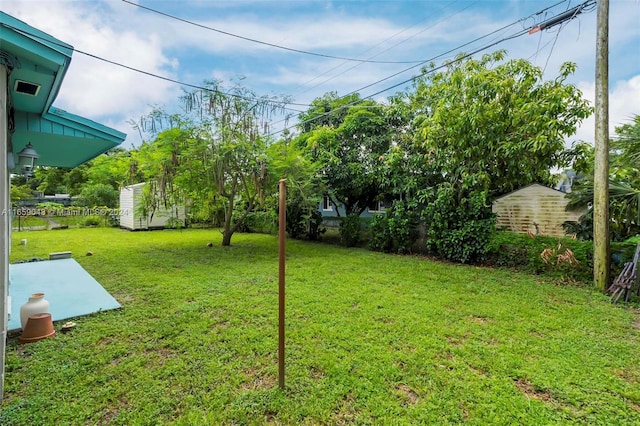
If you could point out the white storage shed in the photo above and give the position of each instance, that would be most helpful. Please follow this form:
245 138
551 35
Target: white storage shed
132 219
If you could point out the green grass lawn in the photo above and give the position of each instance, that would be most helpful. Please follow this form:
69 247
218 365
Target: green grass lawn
371 339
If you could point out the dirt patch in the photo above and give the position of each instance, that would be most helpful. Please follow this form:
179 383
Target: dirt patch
530 391
477 319
316 373
456 341
477 371
409 394
627 375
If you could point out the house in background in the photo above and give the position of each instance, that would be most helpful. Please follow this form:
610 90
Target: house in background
133 219
32 67
328 210
534 209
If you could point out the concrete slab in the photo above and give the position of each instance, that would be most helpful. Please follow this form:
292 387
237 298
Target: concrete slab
69 288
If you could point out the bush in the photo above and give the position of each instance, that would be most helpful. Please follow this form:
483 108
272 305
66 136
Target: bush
565 258
561 257
350 230
458 226
380 234
394 232
260 221
100 194
315 226
91 221
304 221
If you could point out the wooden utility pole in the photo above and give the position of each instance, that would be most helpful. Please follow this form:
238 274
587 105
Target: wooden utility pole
601 245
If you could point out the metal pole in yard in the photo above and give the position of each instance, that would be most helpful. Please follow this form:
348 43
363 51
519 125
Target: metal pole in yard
282 225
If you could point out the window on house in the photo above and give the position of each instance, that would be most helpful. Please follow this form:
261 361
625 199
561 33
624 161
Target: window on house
326 204
377 207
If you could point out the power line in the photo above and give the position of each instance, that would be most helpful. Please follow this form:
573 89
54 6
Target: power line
464 45
264 43
434 58
182 83
553 21
387 49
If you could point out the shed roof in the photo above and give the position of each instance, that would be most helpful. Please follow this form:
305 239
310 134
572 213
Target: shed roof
533 185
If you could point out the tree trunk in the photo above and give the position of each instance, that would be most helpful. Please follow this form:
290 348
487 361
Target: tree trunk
226 237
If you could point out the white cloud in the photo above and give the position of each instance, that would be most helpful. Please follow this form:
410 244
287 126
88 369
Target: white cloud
624 103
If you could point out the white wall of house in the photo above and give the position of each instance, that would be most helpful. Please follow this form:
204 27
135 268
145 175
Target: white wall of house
5 223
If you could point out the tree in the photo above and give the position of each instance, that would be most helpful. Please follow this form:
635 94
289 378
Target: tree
51 180
496 126
100 194
480 128
347 138
624 186
329 110
19 193
349 149
113 168
215 153
304 188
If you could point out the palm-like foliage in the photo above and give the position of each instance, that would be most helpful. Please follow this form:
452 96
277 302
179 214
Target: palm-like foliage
624 183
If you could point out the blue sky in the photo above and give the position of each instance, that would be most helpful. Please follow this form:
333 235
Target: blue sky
390 31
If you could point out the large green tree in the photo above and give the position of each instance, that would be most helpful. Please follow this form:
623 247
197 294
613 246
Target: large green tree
348 141
348 137
495 125
474 130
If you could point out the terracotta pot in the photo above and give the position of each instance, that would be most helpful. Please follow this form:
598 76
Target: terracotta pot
38 327
36 304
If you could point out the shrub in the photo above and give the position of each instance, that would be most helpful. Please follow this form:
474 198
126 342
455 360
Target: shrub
459 226
315 226
553 256
402 227
304 220
260 221
539 254
380 234
90 221
395 231
350 229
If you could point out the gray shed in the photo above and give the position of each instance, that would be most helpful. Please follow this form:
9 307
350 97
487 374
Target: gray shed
536 209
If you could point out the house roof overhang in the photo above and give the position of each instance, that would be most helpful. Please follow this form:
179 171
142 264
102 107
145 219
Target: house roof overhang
38 63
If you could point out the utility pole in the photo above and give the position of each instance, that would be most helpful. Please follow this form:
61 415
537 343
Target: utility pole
601 245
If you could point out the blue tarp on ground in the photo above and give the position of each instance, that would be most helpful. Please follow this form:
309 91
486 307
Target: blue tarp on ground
68 287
